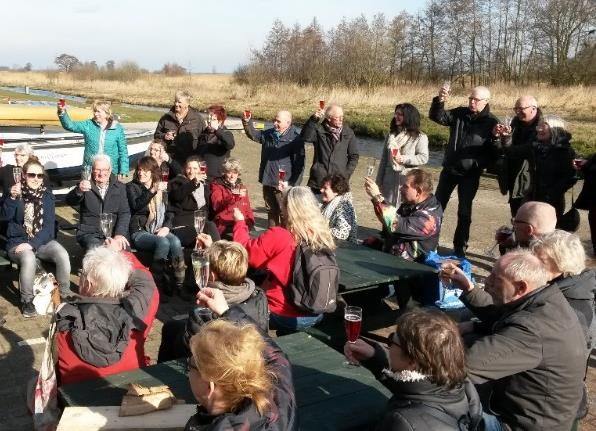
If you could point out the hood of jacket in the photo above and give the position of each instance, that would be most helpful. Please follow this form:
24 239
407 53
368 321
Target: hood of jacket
580 286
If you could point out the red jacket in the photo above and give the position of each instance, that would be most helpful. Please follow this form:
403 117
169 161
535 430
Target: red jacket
272 250
71 368
223 202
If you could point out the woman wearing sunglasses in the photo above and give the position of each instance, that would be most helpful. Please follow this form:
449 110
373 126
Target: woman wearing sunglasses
424 367
31 233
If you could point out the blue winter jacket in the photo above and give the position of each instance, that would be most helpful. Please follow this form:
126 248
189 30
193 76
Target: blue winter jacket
13 210
114 143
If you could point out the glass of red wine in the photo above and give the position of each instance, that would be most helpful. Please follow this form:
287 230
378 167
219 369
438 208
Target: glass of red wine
165 174
61 103
202 167
282 173
394 152
322 104
247 114
353 324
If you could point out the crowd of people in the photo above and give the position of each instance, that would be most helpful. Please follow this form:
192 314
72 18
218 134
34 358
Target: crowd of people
520 364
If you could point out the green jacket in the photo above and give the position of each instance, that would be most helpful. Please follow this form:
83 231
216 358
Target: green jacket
114 142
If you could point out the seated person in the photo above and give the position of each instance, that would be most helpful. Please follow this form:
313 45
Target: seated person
227 193
187 194
425 370
150 225
531 220
228 263
531 347
239 376
338 208
105 331
157 150
275 249
413 230
103 194
31 233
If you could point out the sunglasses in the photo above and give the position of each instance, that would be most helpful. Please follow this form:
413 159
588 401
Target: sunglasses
32 175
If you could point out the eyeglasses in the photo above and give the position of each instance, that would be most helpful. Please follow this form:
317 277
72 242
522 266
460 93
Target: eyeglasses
32 175
391 340
514 220
475 99
521 108
102 171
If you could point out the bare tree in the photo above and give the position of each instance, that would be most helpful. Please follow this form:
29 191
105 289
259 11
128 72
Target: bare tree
66 62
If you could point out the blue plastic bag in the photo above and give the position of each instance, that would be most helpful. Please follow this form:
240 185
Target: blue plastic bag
447 297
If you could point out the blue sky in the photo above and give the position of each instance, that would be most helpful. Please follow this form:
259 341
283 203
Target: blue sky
201 34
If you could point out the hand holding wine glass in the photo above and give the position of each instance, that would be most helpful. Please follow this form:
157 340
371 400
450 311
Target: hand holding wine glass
200 266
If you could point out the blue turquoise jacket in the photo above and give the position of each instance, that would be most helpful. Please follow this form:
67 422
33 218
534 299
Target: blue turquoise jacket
114 143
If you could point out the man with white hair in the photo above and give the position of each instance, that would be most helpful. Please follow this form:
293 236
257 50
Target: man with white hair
282 150
514 173
335 145
468 151
104 331
104 194
534 350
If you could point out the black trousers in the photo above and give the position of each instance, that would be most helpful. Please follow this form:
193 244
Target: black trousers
467 186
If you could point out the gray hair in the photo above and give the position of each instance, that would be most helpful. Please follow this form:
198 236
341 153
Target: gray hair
231 165
522 265
107 272
25 147
101 156
183 94
564 249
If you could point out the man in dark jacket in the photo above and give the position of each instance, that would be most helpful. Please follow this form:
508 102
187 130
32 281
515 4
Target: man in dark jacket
335 145
467 153
103 195
180 128
534 352
514 176
282 158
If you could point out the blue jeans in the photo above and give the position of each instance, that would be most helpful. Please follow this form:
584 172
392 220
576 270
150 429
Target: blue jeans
491 422
27 261
293 323
162 246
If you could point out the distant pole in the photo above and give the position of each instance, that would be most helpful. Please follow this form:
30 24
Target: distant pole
26 89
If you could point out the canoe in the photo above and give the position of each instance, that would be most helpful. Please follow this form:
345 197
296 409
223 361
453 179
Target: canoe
22 114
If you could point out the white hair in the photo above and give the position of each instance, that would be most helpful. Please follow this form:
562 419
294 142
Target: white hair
107 272
564 249
101 156
522 265
25 148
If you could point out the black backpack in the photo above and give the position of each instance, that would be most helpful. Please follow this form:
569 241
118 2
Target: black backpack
315 280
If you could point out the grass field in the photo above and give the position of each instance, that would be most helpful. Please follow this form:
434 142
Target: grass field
367 111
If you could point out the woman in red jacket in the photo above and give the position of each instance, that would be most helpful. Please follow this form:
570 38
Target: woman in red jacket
227 193
274 251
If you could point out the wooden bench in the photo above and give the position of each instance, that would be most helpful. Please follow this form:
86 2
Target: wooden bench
329 395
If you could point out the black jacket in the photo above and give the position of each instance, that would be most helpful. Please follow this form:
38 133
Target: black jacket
422 405
535 357
91 205
182 204
587 197
287 151
187 133
214 148
340 158
246 417
470 148
139 197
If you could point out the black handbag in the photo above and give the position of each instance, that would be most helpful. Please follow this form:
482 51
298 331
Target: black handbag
570 220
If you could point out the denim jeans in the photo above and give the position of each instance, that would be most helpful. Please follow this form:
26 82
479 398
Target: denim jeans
491 423
50 252
90 241
467 186
162 246
293 323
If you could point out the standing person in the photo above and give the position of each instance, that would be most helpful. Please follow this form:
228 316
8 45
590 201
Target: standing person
282 149
410 147
467 153
335 145
31 234
103 135
587 197
550 157
216 142
103 194
274 250
180 128
150 225
514 173
157 150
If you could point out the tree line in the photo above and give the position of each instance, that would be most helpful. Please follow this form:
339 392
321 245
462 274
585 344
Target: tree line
469 42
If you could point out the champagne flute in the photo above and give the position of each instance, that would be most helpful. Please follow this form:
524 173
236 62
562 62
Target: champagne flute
105 224
17 174
86 173
200 267
199 218
353 325
370 169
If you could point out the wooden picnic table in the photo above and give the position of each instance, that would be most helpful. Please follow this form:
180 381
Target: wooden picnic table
364 268
330 395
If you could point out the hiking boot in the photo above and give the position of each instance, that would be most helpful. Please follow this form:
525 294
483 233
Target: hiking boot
29 309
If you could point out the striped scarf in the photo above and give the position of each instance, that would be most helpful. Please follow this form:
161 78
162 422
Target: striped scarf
33 212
